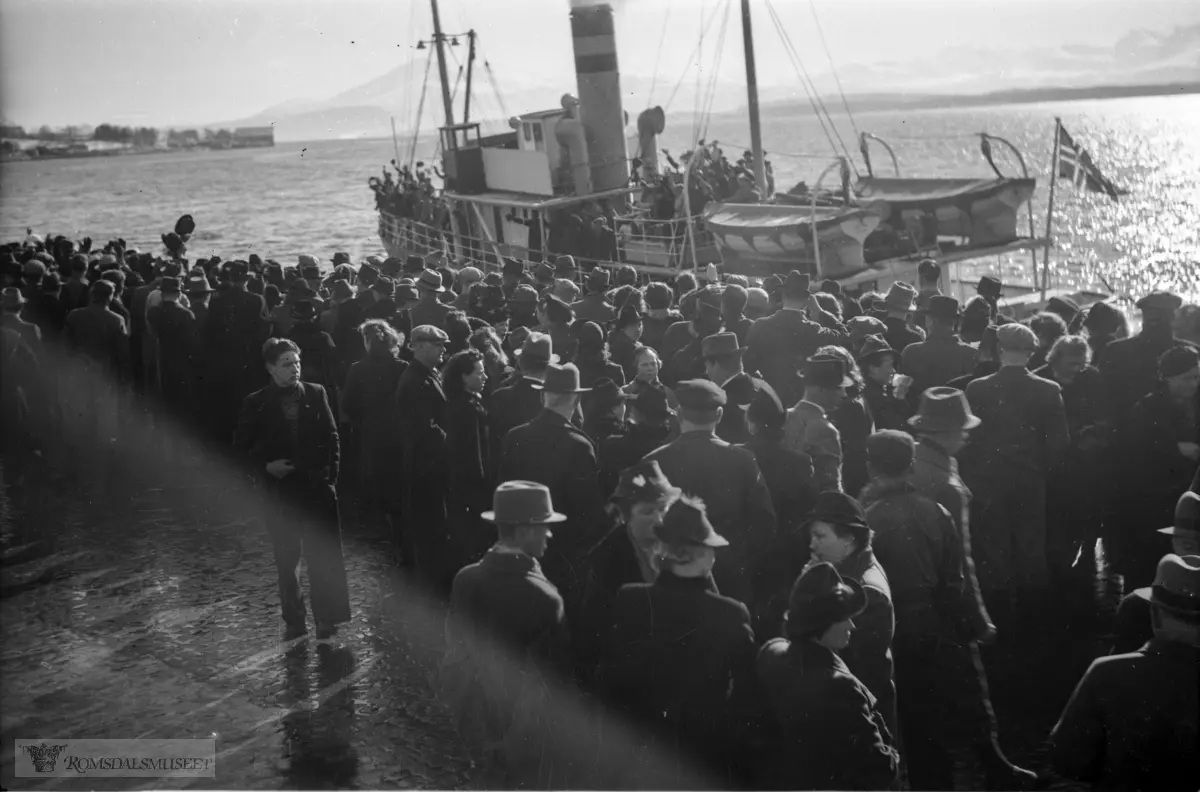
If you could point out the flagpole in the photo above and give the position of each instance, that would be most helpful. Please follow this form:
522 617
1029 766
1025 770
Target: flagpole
1050 208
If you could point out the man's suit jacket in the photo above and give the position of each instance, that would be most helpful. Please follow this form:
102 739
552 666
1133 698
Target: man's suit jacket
739 393
809 430
780 343
732 487
263 435
1024 424
421 417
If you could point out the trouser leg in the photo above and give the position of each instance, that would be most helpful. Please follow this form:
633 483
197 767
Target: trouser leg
287 544
327 582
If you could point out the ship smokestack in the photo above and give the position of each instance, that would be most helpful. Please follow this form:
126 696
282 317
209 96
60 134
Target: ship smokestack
599 82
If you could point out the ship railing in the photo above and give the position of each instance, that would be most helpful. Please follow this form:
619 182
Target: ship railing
650 240
405 237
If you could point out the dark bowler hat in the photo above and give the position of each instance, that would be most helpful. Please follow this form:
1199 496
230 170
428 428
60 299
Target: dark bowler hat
12 298
169 285
797 285
943 307
1160 301
431 281
197 284
607 393
990 287
943 410
522 503
838 508
537 346
721 344
873 348
598 279
304 310
560 379
644 482
1176 587
413 265
652 403
1187 515
821 598
514 267
699 395
826 371
686 523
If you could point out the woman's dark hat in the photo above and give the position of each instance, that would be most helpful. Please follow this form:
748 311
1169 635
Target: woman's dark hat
827 371
943 410
874 347
304 311
644 483
821 597
522 503
560 379
686 523
838 508
588 334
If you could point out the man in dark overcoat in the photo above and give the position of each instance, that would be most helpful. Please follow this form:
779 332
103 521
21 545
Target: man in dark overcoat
594 307
942 356
287 434
421 418
722 355
520 402
729 481
233 335
553 451
178 348
778 343
1022 439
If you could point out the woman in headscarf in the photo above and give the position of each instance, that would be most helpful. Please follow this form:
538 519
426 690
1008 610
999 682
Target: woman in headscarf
839 535
469 491
368 407
828 731
853 422
591 355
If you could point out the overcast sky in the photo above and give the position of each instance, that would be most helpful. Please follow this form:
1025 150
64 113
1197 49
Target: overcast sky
194 61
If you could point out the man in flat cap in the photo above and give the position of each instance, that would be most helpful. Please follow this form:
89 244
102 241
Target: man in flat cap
808 428
421 415
1023 438
728 479
776 343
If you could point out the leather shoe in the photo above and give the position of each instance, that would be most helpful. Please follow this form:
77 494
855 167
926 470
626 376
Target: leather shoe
326 631
294 631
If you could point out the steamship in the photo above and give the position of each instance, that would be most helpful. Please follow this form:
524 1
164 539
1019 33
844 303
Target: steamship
506 191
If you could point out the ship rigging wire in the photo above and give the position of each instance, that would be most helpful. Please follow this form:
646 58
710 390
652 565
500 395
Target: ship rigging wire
812 6
412 154
810 88
662 38
690 59
705 112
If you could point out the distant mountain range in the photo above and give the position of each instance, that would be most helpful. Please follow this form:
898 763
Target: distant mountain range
1141 63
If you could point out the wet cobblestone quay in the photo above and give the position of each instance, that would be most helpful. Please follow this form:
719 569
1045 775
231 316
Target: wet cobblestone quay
161 620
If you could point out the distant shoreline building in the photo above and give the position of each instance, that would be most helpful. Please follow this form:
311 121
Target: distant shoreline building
253 137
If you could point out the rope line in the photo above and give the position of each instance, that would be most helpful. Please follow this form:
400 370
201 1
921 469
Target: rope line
810 86
412 154
711 91
820 32
691 57
658 58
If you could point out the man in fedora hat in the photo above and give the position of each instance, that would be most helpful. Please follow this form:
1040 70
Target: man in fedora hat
885 390
900 302
794 333
1022 438
594 307
512 276
520 402
942 356
1132 722
729 480
680 656
808 428
429 311
921 551
551 450
1132 626
505 629
723 365
421 415
11 304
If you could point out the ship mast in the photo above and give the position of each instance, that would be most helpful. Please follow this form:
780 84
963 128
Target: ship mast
440 42
760 174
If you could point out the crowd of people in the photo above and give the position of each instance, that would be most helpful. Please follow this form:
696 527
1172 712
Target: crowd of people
767 526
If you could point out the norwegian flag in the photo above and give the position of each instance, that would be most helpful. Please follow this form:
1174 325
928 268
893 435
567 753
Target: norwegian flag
1076 165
